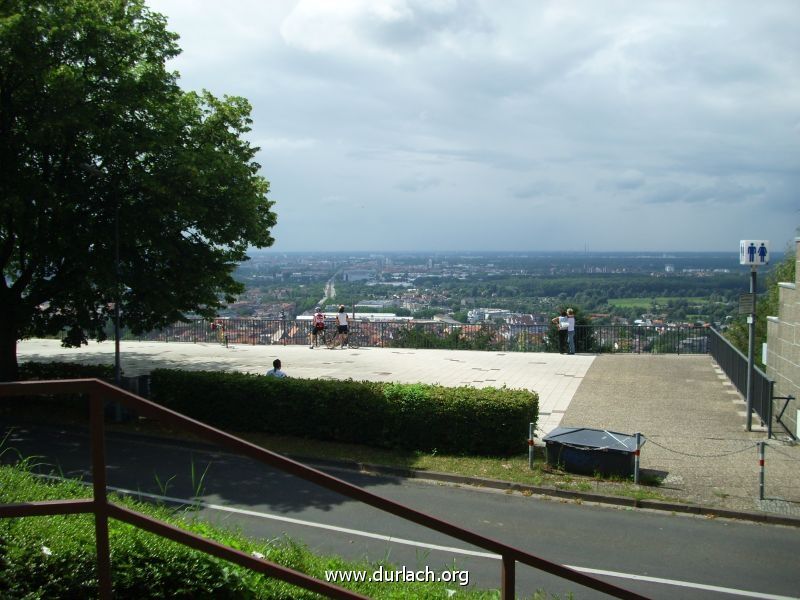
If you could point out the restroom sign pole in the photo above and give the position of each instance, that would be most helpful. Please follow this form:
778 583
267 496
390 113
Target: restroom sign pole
754 253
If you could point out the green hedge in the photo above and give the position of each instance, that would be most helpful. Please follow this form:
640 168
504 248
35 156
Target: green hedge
62 370
463 420
420 417
57 408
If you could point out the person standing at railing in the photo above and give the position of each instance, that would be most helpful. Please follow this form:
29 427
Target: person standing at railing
218 326
317 326
342 324
571 330
563 324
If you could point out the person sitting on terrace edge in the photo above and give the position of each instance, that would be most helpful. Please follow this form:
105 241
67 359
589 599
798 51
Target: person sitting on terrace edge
275 371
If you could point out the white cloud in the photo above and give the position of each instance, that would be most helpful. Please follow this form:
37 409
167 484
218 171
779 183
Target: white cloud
285 144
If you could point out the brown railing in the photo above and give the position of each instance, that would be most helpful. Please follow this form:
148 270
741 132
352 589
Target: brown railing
99 392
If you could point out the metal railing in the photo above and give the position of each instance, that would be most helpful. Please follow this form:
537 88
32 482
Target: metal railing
99 392
500 337
641 339
734 364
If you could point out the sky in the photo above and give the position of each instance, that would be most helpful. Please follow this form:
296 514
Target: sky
511 125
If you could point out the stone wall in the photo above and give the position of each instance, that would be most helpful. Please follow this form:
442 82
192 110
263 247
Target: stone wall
783 347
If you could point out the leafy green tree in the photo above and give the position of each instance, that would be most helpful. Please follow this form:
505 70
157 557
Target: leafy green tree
451 338
766 305
460 316
96 133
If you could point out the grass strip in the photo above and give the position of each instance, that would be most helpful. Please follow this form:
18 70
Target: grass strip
54 557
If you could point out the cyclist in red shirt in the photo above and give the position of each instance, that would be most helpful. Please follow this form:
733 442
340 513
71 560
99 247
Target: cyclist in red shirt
317 325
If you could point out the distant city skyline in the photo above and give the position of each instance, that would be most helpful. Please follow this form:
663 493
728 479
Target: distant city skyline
727 253
452 124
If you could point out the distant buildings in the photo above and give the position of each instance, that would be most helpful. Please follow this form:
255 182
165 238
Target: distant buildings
358 275
479 315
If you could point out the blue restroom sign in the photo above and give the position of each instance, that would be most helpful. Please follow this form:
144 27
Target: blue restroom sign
754 252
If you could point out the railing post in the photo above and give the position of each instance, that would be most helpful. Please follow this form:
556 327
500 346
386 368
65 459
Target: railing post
770 393
530 445
761 468
751 328
507 589
96 407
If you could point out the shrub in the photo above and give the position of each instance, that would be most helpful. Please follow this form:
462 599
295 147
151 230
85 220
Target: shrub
419 417
62 370
61 407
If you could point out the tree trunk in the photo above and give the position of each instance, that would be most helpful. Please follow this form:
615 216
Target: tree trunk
9 370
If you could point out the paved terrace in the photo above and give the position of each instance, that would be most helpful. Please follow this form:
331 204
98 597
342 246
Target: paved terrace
691 415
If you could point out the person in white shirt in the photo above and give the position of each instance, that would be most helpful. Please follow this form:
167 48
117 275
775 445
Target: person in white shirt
342 326
275 371
562 324
571 330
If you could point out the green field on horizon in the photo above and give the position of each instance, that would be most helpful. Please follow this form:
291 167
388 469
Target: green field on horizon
648 302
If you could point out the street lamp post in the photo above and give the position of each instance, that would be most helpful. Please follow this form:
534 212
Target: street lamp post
117 374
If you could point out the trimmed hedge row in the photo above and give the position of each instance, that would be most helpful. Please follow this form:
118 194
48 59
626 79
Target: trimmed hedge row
417 417
58 407
62 370
420 417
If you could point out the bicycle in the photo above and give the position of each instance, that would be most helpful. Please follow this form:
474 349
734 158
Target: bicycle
328 338
331 337
322 338
221 335
352 339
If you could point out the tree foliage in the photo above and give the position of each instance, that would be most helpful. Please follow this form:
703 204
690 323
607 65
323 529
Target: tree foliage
97 134
450 338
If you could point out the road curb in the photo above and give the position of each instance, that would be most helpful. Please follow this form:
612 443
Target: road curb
494 484
661 505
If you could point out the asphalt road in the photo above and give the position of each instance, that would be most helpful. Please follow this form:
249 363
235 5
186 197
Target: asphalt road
656 554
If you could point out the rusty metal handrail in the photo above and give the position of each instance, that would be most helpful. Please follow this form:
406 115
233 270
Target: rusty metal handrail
100 391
